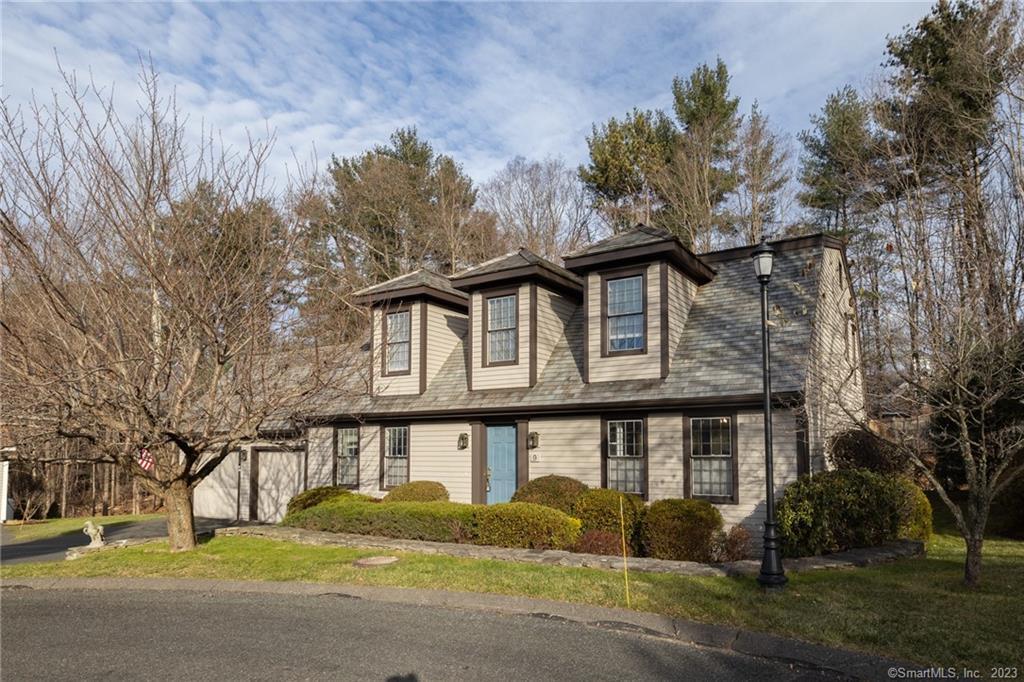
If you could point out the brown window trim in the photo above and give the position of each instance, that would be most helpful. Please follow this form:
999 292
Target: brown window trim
408 455
404 308
605 418
484 341
334 456
622 273
687 449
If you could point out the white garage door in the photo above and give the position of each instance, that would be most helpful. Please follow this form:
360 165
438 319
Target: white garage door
280 479
216 496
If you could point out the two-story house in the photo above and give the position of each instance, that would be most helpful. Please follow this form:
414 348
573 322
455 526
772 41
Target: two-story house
636 366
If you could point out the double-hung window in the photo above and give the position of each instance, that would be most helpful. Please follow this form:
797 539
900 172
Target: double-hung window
627 458
712 458
395 464
348 456
502 316
397 329
625 313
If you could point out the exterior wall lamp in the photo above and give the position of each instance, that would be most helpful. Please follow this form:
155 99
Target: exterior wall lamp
463 441
533 440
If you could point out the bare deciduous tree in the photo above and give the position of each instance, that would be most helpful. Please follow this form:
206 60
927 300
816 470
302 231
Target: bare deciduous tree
541 205
148 282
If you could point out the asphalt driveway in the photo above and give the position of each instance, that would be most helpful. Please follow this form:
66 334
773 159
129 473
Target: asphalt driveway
58 634
52 549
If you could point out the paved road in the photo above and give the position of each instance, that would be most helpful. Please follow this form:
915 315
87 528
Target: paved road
52 549
87 634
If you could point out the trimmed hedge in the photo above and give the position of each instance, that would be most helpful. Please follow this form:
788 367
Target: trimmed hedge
598 509
557 492
314 496
683 530
418 491
522 524
838 510
435 521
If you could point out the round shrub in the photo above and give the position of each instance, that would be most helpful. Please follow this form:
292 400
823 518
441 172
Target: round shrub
418 491
521 524
314 496
557 492
916 518
598 509
732 546
837 510
601 542
683 530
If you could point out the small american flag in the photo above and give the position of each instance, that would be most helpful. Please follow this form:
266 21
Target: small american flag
145 459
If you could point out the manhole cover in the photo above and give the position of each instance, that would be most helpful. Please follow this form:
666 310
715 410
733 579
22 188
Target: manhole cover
371 561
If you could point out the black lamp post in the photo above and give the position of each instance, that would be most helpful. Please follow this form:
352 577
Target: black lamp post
772 574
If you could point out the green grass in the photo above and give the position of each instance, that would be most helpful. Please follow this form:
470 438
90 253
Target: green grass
52 528
915 609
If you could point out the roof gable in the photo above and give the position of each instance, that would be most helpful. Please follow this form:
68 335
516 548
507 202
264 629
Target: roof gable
518 265
638 244
420 283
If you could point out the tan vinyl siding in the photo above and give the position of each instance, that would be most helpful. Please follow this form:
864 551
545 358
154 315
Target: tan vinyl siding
835 387
622 367
568 447
320 455
403 384
665 455
750 434
369 459
437 457
502 376
445 331
553 313
681 292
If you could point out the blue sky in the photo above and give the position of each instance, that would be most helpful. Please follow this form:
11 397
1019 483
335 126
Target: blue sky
484 82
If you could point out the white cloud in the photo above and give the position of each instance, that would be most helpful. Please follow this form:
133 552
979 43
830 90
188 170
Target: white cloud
483 82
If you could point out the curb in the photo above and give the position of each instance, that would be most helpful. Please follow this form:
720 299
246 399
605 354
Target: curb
816 657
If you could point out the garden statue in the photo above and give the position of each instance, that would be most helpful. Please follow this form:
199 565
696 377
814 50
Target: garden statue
95 534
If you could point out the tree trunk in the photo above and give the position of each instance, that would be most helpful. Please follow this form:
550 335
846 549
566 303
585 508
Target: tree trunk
181 526
92 481
972 566
135 496
64 490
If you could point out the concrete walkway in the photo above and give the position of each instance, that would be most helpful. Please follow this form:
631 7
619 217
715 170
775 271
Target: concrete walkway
727 638
848 559
54 548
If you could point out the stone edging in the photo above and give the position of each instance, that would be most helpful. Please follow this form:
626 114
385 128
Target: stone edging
847 559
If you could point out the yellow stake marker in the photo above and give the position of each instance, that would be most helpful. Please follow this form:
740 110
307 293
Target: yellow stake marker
625 566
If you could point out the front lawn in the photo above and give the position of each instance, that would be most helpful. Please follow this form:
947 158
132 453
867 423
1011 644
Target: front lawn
51 528
913 609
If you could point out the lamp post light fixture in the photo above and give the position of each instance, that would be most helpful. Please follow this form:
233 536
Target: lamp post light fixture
772 575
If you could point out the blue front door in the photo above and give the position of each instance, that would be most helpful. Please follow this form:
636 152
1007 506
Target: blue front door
501 463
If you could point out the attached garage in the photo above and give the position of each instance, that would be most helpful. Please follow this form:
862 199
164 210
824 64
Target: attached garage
253 484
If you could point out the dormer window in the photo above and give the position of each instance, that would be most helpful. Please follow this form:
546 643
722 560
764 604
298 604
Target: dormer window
624 312
501 318
397 328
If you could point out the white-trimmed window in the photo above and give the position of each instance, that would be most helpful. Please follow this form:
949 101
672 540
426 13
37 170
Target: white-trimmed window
348 456
625 312
626 459
395 464
502 334
397 338
711 457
